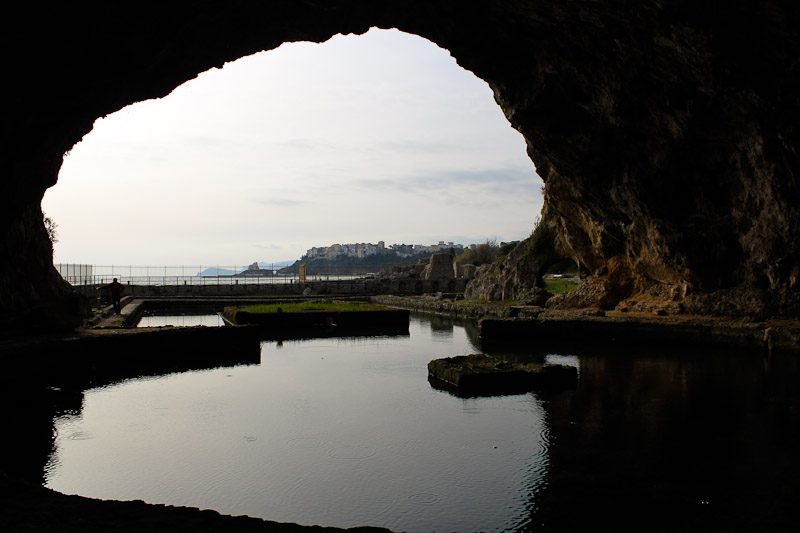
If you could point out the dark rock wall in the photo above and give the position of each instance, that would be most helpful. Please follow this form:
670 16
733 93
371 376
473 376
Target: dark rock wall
33 297
696 185
666 131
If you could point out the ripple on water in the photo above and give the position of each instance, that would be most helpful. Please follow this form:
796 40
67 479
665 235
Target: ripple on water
485 447
424 498
304 443
355 452
545 438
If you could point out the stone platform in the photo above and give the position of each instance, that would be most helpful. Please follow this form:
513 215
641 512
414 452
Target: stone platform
483 375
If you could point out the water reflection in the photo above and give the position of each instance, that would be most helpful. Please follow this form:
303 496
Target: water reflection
347 431
443 328
334 431
49 381
691 442
28 427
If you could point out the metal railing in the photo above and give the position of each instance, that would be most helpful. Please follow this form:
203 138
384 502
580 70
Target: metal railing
185 275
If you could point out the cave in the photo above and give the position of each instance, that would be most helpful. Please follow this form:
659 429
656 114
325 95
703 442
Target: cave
665 131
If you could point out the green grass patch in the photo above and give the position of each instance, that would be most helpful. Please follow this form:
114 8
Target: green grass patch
312 306
561 286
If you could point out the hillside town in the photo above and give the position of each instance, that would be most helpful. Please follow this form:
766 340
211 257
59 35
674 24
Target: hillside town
362 250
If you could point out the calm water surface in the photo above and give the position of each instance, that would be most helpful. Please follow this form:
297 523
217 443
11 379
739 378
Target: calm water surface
340 432
348 432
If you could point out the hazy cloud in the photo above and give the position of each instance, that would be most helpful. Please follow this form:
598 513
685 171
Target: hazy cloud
282 202
206 143
304 144
506 181
379 136
411 146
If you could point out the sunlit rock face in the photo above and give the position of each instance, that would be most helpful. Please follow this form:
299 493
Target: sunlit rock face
666 132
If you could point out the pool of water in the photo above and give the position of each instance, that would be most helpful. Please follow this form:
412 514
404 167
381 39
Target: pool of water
212 320
348 432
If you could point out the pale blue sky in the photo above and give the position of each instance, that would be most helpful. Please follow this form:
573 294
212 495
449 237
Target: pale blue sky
359 139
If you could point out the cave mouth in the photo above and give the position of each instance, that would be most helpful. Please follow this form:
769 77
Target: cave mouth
665 134
375 137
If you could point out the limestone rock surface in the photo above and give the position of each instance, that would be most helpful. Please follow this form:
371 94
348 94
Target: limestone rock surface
439 267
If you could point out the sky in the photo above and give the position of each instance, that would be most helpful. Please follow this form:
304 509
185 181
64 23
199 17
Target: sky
359 139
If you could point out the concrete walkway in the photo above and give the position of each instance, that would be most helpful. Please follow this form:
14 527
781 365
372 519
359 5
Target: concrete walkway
130 313
134 307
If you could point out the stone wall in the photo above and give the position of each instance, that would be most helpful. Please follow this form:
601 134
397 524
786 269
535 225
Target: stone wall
317 288
457 309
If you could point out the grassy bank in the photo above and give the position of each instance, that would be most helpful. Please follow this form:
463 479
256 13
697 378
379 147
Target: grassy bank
561 286
307 307
341 316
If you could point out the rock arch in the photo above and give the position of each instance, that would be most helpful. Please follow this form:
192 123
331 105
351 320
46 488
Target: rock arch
666 131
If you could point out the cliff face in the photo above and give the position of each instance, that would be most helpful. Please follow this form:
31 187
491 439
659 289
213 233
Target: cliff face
33 297
699 194
666 131
517 275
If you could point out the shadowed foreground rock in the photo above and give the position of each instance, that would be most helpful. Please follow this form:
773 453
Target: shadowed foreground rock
31 508
482 375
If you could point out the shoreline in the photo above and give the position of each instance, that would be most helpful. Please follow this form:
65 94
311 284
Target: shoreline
507 325
92 357
36 508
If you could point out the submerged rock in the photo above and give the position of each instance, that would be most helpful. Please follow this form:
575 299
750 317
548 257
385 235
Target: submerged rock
483 375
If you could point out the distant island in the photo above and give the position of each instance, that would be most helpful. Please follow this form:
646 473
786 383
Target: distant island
212 272
258 268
